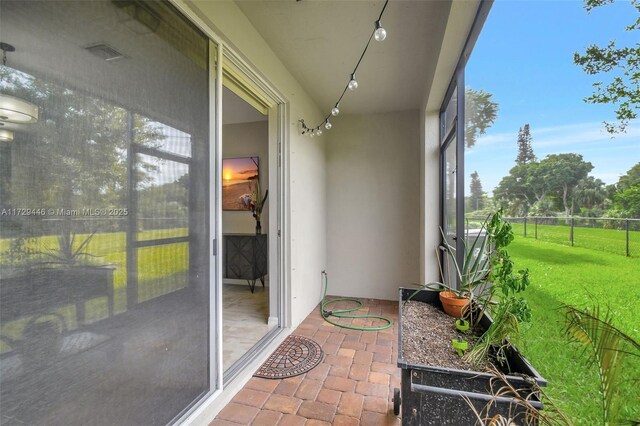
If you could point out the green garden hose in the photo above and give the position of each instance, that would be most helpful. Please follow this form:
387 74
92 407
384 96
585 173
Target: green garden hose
343 313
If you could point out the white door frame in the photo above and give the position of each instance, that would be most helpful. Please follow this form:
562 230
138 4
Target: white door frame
278 144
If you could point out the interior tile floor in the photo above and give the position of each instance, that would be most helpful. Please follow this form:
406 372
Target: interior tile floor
353 385
244 320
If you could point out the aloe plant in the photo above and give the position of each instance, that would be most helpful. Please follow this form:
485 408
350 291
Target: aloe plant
474 272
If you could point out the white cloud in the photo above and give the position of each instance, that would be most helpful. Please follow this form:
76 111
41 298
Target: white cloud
575 136
607 177
496 138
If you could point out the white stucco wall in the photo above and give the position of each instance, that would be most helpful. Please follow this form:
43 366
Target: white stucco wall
430 192
373 204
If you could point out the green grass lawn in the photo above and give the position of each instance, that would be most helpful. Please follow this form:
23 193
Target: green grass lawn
580 277
608 240
110 248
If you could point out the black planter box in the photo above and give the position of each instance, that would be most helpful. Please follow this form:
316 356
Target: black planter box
434 395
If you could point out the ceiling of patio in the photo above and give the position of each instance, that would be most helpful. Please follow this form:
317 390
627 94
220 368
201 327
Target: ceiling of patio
320 41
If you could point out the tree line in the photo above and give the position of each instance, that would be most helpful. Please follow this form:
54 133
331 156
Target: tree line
559 183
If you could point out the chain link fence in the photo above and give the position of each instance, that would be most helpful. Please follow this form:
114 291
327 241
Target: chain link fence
614 235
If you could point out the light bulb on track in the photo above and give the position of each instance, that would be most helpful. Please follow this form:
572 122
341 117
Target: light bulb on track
353 84
380 33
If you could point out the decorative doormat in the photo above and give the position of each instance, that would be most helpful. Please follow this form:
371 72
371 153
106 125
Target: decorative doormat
295 356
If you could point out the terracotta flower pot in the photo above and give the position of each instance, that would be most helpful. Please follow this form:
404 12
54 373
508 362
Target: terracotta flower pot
453 305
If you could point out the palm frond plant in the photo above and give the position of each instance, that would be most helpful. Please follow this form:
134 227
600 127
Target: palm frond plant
605 347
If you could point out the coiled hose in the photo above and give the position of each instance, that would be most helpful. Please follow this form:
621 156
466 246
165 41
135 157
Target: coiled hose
344 313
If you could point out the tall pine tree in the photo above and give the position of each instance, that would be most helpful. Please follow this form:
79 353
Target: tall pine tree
525 151
475 189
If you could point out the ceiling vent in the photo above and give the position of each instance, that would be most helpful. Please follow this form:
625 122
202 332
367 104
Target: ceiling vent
104 51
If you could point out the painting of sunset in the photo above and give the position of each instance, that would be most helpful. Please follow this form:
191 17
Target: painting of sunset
238 182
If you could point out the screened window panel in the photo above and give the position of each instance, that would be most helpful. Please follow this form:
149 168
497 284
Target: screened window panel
162 198
162 269
450 186
104 241
450 211
450 114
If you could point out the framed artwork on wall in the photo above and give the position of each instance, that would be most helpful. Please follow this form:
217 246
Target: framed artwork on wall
239 177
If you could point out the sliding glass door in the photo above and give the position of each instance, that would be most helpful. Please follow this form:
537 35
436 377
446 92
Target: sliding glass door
105 186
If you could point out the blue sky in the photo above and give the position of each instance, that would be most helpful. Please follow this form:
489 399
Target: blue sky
524 57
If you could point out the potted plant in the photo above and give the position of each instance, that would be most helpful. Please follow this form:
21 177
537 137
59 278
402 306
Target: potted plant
433 392
472 275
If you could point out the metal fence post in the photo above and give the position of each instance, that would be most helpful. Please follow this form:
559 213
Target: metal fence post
536 226
627 228
571 233
525 227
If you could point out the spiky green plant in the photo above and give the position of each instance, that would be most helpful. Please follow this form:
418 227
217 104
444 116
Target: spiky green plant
68 252
474 272
605 347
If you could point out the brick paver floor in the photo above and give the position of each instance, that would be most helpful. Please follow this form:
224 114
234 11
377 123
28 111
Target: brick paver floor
353 385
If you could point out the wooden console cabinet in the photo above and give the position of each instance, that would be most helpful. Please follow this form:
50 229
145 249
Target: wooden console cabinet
245 257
